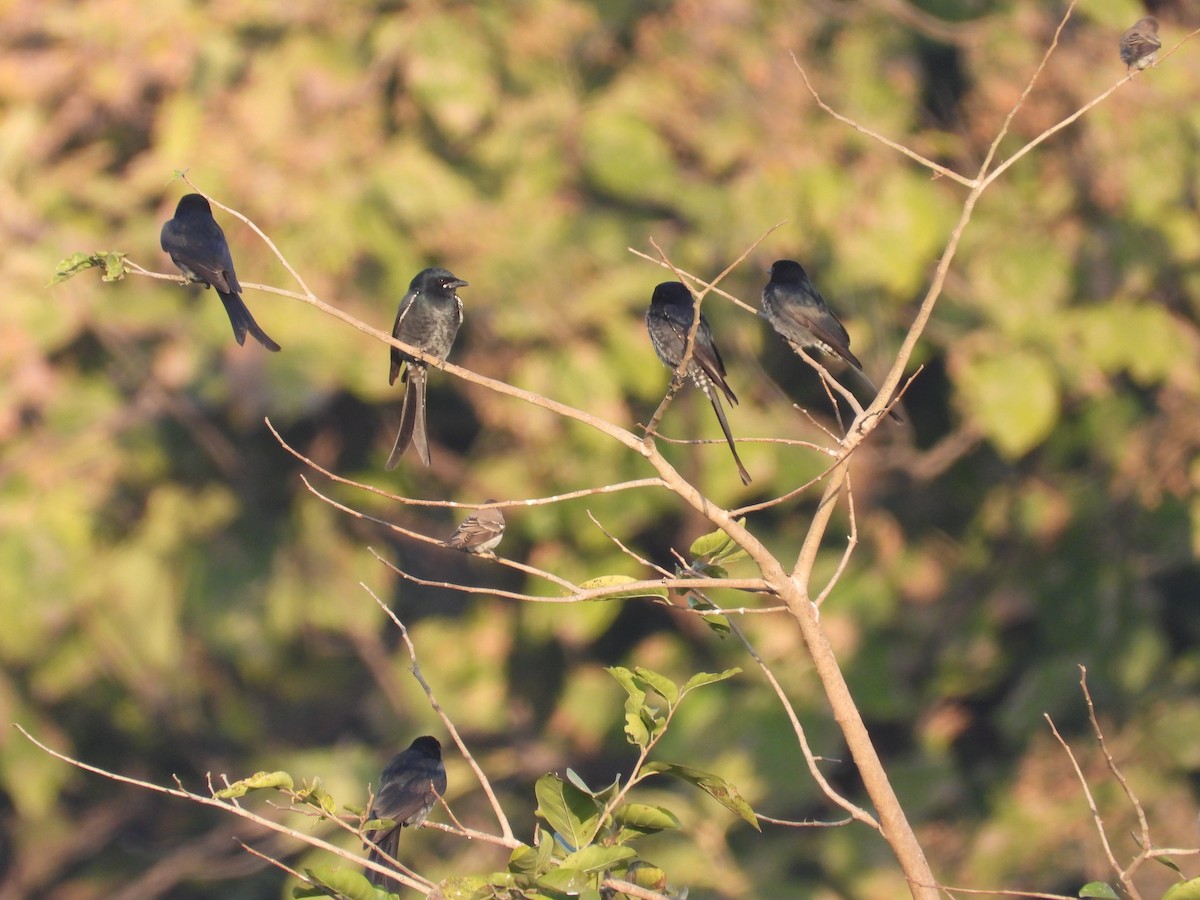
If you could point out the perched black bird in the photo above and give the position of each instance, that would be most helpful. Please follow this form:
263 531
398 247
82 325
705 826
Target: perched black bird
428 318
409 787
480 532
668 321
197 246
799 314
1140 44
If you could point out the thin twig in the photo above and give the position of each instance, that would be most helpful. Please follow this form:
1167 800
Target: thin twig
277 863
651 586
851 543
266 240
451 504
982 182
1054 129
810 758
808 823
899 148
632 890
624 549
228 806
506 829
416 535
1087 793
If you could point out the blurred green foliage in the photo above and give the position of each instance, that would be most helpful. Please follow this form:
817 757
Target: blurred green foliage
176 602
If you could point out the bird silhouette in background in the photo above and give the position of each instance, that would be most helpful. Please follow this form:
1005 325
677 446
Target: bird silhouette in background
668 321
479 533
796 310
1140 44
428 318
409 787
197 245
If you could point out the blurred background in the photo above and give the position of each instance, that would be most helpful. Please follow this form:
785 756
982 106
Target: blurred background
174 602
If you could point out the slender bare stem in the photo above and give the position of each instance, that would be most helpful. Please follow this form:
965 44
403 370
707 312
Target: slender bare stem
229 806
506 829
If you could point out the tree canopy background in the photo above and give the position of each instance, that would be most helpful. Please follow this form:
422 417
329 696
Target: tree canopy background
174 602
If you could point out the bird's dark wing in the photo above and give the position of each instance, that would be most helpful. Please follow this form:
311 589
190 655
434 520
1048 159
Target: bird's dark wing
822 325
407 796
399 358
705 353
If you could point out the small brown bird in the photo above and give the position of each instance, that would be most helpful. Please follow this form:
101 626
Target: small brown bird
1140 44
479 533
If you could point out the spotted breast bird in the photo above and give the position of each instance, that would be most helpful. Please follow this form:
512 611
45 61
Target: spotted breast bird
668 321
197 245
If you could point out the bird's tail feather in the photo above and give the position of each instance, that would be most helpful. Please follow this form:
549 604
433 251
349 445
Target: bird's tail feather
419 438
389 844
716 405
242 321
412 418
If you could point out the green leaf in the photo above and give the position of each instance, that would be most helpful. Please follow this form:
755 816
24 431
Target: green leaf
646 818
716 547
639 724
569 811
471 887
256 782
316 795
1169 863
629 681
709 545
344 882
609 581
636 730
1188 890
566 880
112 262
702 678
602 795
661 684
595 858
718 623
1101 890
713 785
653 722
525 860
647 875
1012 396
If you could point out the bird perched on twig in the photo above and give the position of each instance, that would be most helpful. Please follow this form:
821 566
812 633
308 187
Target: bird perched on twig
409 787
428 318
796 310
197 245
1140 44
668 321
479 532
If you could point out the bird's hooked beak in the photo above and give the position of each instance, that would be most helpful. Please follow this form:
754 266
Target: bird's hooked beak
457 283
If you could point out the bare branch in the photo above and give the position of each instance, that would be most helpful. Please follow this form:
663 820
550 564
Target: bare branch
862 129
509 840
416 535
1087 793
810 758
226 805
